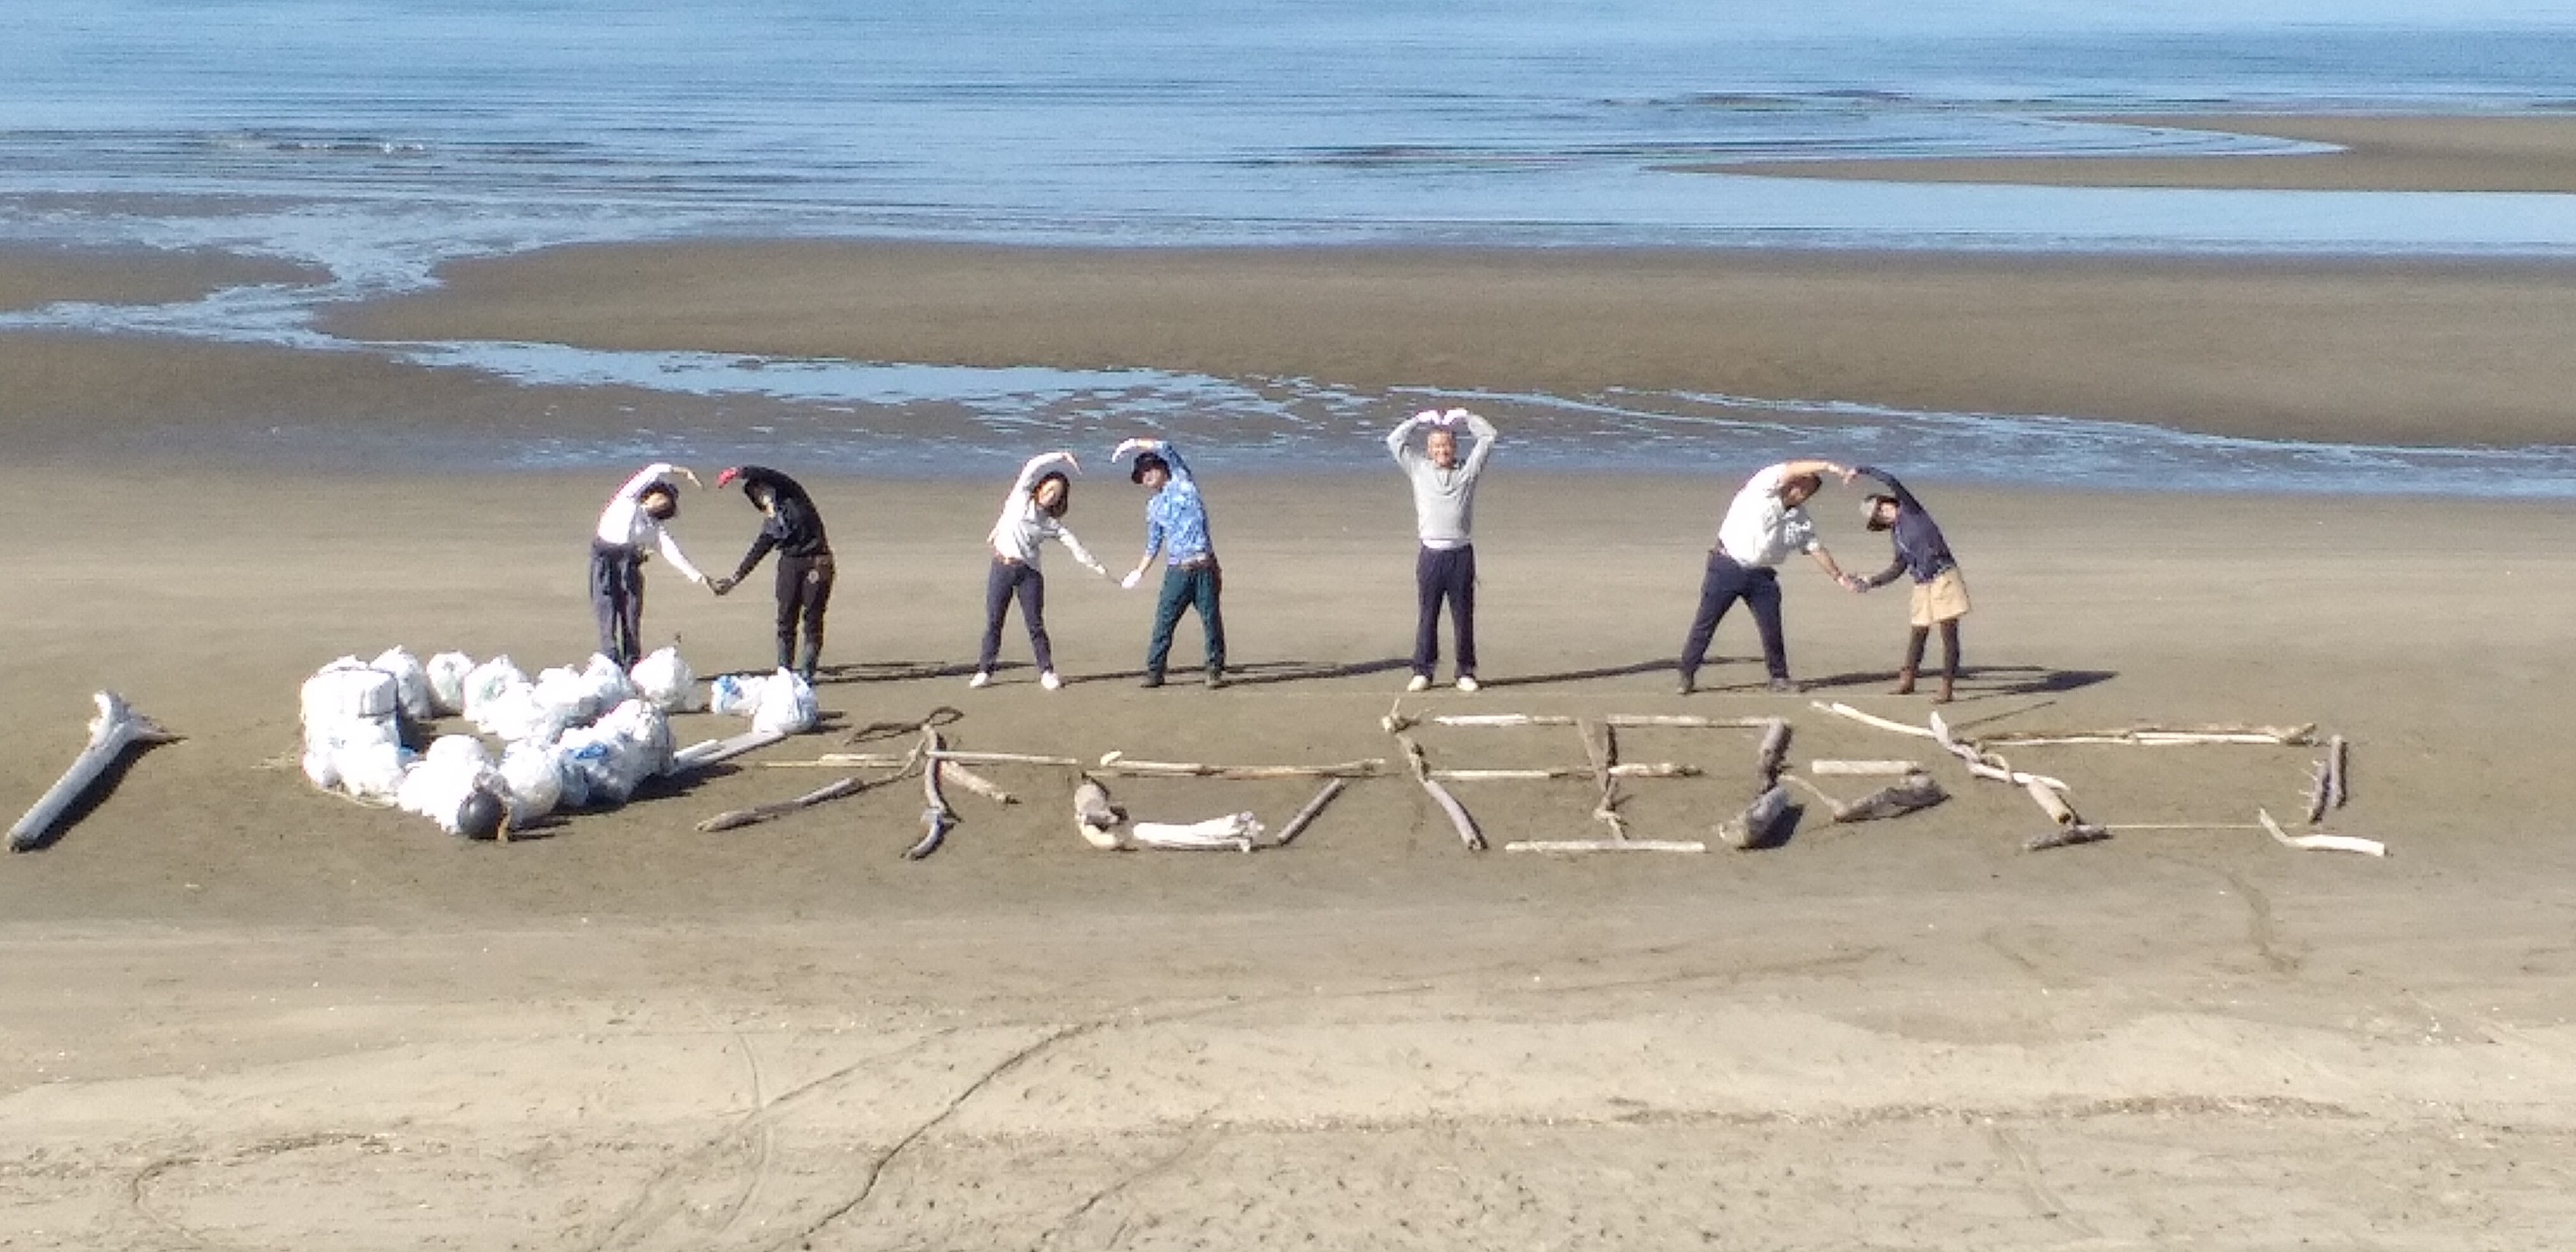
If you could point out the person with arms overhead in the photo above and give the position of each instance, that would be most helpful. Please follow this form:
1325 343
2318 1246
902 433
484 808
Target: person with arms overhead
1444 515
792 526
1032 513
1940 592
635 517
1176 526
1764 524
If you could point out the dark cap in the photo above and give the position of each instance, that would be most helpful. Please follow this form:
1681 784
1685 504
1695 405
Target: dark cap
1144 462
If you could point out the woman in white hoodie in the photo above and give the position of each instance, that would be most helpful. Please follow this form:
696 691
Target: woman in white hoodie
1031 514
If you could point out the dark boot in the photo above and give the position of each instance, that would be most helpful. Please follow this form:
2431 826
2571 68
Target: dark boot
809 658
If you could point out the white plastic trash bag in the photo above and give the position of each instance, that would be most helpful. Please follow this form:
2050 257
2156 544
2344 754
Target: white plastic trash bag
487 681
348 689
563 695
735 695
604 685
371 771
533 773
517 714
411 683
786 705
446 673
666 682
616 754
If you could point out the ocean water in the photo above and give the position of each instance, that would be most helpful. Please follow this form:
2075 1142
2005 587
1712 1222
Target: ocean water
377 138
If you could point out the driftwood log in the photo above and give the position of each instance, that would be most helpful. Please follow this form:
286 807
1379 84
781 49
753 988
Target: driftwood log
1094 817
1759 825
2065 836
935 817
1605 845
116 728
1642 769
1116 764
1678 721
2325 790
736 818
2164 736
1774 752
1915 792
952 772
2320 842
1601 748
1871 719
1297 825
1466 826
708 752
1896 769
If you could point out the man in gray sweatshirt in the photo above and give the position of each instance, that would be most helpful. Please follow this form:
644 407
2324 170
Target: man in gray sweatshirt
1444 513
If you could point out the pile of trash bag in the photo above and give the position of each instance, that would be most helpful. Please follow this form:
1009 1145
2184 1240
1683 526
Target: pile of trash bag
571 738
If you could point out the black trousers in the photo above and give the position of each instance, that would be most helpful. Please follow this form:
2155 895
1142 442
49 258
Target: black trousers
1006 580
617 600
1726 582
804 592
1445 574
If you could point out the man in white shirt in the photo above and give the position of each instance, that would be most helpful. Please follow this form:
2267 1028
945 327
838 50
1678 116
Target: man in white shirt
633 518
1763 526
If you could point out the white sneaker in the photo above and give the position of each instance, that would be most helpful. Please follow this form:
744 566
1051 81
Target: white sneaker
1421 682
1049 681
1466 682
982 678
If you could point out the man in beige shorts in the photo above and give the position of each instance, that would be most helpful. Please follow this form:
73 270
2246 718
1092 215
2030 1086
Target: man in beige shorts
1940 592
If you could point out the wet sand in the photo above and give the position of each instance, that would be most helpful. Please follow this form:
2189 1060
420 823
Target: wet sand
249 1015
2509 154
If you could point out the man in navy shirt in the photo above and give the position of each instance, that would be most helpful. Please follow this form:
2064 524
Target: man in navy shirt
1940 594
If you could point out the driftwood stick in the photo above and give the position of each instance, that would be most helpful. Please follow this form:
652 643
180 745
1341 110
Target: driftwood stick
2335 772
1498 719
2065 836
847 760
935 817
1467 832
2288 736
734 819
2119 826
1774 753
1916 792
1868 719
1984 764
116 728
1605 845
951 771
1395 722
708 752
1413 758
1687 722
1601 747
1758 825
2050 803
1895 769
1116 765
1297 825
2321 842
1641 769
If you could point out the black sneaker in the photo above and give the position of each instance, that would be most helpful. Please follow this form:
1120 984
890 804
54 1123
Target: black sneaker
1152 680
1685 687
1215 679
1786 687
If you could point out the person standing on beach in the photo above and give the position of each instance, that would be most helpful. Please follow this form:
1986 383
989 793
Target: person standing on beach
1940 593
1763 525
633 518
794 527
1176 526
1444 516
1031 514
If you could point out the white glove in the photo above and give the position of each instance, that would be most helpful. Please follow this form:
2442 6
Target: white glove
1134 576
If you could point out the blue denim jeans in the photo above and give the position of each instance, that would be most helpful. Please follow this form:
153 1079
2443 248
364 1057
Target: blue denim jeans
1186 587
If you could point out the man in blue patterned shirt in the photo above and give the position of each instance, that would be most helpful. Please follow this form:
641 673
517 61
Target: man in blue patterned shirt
1176 526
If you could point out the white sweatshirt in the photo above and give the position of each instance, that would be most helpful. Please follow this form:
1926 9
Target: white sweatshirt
1023 525
624 521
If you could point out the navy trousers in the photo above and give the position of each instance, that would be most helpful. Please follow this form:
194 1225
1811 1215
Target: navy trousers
1445 574
1020 579
1726 582
617 600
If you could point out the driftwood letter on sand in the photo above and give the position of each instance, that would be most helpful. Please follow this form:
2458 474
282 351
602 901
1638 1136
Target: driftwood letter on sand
116 728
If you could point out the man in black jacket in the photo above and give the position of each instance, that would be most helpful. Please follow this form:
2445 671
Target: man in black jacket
793 526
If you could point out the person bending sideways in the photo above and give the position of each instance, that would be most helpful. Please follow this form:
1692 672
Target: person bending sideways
1444 516
1940 593
1765 523
1031 514
791 525
635 516
1176 526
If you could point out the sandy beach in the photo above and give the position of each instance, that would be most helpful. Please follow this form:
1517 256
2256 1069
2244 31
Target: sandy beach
248 1015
